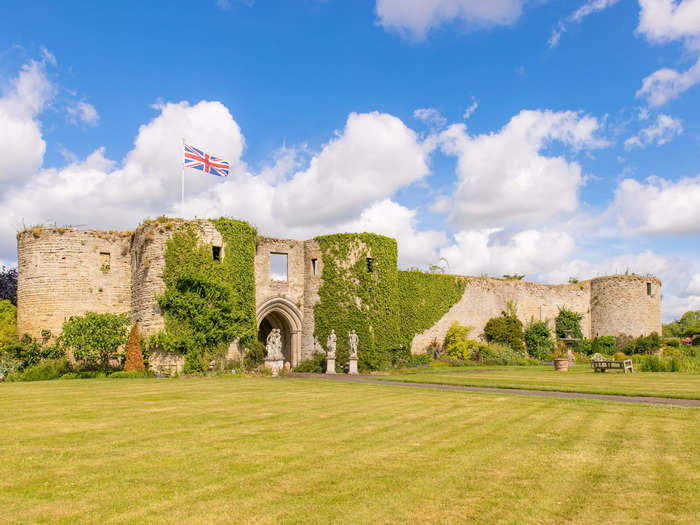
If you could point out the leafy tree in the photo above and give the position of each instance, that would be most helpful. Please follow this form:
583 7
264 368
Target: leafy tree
95 338
513 277
687 326
538 339
568 320
8 323
8 284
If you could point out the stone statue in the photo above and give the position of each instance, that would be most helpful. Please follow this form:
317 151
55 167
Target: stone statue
274 344
353 339
330 345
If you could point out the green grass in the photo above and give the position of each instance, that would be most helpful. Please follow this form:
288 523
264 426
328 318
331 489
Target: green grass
579 378
217 450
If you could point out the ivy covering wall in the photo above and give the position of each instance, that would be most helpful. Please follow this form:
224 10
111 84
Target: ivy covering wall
208 303
423 299
359 295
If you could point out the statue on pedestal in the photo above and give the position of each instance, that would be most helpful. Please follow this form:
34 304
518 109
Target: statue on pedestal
353 340
330 345
274 359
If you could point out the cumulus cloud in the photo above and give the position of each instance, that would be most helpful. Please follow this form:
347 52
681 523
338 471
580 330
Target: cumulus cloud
22 147
666 84
496 252
662 131
431 117
658 206
668 20
416 17
83 112
525 186
694 285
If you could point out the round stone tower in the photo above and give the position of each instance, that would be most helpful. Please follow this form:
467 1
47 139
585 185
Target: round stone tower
625 304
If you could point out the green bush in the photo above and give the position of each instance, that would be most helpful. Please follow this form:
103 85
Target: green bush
673 341
644 344
255 356
95 338
8 365
500 354
568 320
538 339
506 330
316 365
29 352
457 343
8 324
603 344
130 374
45 370
584 347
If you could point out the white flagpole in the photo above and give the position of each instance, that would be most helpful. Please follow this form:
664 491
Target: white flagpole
182 152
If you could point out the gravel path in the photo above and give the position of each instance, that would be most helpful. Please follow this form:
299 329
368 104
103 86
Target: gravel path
541 393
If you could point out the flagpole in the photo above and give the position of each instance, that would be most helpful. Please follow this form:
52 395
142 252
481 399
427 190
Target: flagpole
183 173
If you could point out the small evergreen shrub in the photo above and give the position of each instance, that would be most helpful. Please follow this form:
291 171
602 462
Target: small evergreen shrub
457 343
584 347
568 320
673 341
315 365
644 344
506 330
538 339
604 344
500 354
255 356
130 374
134 357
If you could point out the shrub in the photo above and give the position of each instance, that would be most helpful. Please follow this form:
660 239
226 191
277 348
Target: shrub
255 356
29 352
45 370
619 356
673 341
584 347
130 374
603 344
538 339
134 357
8 365
500 354
568 320
8 324
95 338
645 344
506 330
316 365
8 284
622 341
457 343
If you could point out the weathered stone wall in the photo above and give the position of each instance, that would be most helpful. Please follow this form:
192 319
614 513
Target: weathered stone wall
312 283
620 305
65 272
485 298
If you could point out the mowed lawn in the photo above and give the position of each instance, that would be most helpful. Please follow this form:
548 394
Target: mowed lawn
579 378
217 450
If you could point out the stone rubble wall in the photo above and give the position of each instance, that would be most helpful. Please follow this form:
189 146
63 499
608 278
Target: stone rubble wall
620 305
65 272
312 283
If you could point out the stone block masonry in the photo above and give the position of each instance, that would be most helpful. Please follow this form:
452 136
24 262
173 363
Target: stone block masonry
65 272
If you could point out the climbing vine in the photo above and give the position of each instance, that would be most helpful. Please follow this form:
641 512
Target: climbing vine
207 303
423 299
359 291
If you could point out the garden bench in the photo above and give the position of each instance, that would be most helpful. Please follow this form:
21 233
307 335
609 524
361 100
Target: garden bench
600 364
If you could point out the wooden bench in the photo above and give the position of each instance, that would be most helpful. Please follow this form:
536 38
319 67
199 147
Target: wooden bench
600 364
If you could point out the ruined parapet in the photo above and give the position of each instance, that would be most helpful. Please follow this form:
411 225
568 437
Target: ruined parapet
625 304
65 272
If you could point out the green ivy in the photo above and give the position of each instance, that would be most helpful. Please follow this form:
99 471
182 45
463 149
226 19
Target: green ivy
354 298
208 303
423 299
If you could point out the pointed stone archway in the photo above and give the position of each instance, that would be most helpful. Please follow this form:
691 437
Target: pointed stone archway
282 313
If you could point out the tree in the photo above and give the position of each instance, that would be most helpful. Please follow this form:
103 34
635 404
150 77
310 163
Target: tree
538 339
8 323
134 356
568 320
507 329
8 284
95 338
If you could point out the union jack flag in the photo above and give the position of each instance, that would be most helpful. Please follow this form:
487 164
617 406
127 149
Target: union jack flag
197 159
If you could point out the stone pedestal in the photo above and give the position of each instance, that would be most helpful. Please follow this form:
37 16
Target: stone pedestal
353 366
275 365
330 366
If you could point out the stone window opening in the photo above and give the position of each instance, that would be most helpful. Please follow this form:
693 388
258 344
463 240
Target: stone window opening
105 262
216 253
278 267
314 266
370 264
648 288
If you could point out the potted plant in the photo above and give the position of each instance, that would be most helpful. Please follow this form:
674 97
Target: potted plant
561 357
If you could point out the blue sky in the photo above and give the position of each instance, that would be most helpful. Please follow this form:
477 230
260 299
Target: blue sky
555 139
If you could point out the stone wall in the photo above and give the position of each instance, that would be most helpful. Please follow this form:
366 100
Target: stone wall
291 289
65 272
485 298
620 304
312 283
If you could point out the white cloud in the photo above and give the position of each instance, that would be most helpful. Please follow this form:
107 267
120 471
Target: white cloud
22 147
431 117
667 20
83 112
496 252
417 17
588 8
591 7
471 109
661 132
523 186
658 206
694 285
666 84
